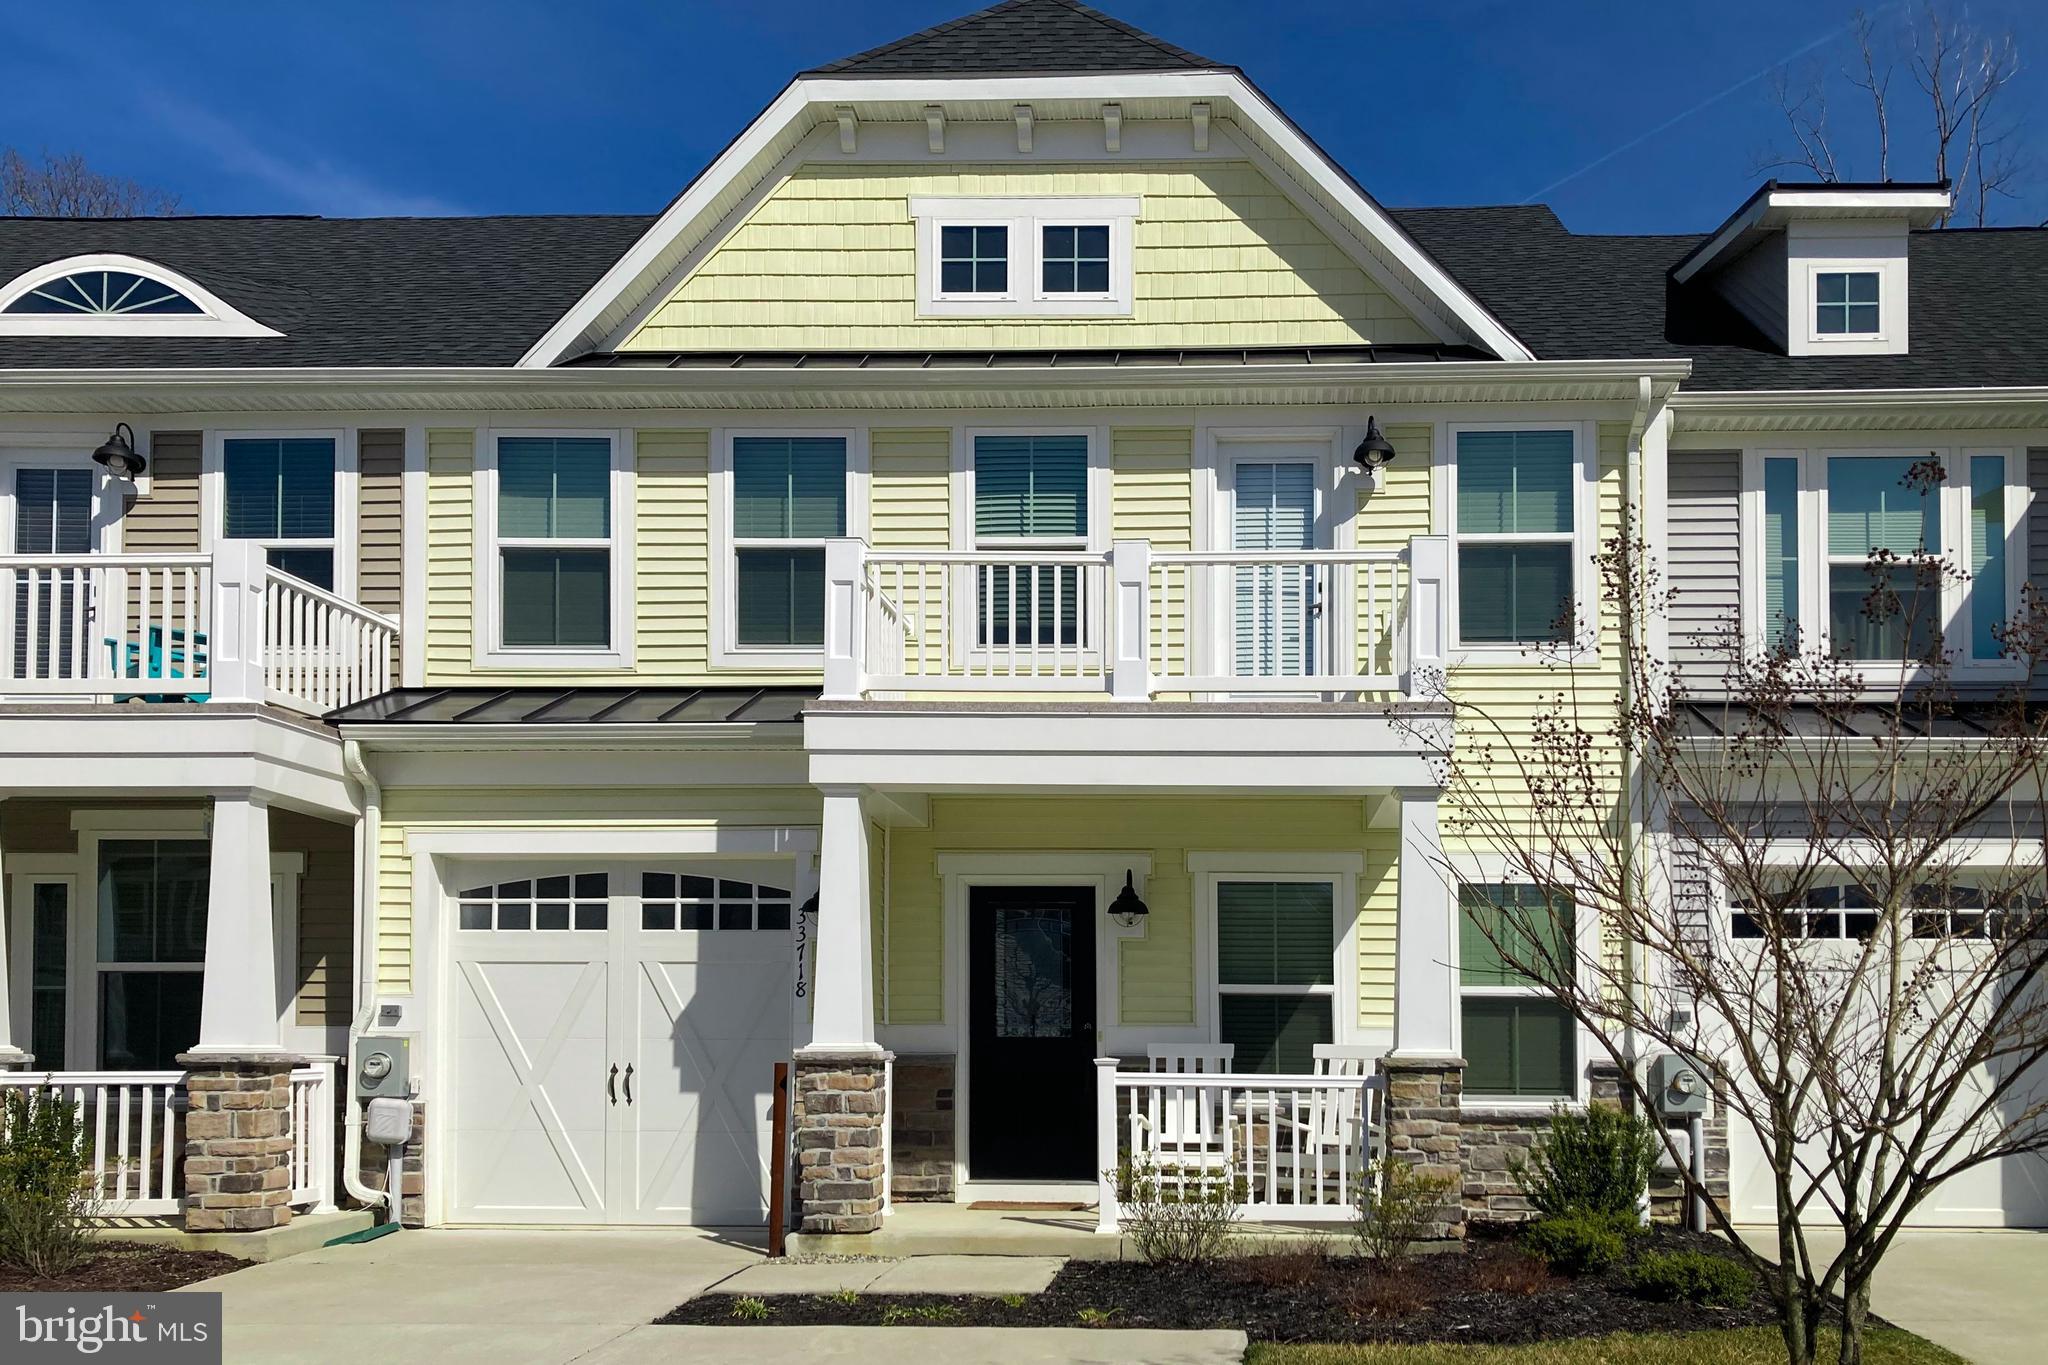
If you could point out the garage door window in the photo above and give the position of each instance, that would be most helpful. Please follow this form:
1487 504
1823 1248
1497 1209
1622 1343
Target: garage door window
682 900
576 902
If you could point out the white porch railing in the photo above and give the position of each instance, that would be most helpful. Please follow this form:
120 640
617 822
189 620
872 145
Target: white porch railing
1133 623
135 1134
135 1124
1294 1147
313 1124
223 626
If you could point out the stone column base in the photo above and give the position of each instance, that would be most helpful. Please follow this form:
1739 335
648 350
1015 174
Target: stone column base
921 1130
238 1141
14 1059
1422 1127
840 1140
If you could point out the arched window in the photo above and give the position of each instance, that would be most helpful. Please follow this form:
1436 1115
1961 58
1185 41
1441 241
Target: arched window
114 295
103 293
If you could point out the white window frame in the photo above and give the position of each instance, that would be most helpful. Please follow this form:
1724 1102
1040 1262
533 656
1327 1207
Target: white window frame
1584 536
1493 870
1097 540
726 650
217 317
344 543
1341 871
487 630
25 872
1027 218
1890 336
1953 513
49 453
1814 270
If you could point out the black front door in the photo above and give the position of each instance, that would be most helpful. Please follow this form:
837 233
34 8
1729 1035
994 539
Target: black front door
1031 1032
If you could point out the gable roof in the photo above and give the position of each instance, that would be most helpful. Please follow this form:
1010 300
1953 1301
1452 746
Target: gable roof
1977 298
1022 37
343 291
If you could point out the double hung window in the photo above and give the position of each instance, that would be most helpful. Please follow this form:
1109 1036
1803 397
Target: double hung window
1517 524
1518 1039
1030 493
279 492
555 542
1275 972
788 498
152 950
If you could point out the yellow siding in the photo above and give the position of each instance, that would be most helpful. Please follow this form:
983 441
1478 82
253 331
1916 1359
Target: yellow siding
1221 257
910 493
1157 972
1152 497
428 808
672 552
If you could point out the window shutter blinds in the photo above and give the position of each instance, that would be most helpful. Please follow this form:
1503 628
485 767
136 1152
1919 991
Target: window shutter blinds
305 482
52 516
249 489
1781 550
1513 592
1030 486
278 489
1274 604
550 487
1503 909
1274 1033
1514 482
789 487
1274 933
1870 508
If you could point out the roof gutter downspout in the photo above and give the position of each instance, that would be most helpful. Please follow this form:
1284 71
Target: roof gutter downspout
369 831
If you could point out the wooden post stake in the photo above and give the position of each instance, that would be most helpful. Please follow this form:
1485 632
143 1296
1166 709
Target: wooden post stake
778 1175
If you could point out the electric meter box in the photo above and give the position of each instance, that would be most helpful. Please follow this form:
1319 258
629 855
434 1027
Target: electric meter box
382 1067
388 1122
1678 1086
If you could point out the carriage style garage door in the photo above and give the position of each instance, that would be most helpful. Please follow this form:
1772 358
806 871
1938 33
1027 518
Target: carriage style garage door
616 1028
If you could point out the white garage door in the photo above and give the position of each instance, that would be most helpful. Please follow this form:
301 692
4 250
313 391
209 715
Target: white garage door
2011 1193
616 1029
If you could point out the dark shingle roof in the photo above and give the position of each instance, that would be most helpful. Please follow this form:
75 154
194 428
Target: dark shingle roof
1022 38
594 706
1978 297
344 291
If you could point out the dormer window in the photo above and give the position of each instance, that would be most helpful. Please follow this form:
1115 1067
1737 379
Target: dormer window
106 295
1845 302
1050 257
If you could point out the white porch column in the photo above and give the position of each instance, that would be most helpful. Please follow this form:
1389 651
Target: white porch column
11 1056
843 997
239 1006
1426 945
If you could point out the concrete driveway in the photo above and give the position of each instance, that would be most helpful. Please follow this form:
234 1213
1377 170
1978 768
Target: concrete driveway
454 1297
1977 1293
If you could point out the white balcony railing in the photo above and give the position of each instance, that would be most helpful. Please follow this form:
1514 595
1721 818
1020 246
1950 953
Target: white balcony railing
313 1127
1290 1148
1132 622
223 626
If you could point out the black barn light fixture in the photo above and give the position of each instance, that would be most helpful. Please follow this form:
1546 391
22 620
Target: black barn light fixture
1128 909
118 454
1375 450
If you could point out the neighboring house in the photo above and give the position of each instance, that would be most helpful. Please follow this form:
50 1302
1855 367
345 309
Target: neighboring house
617 654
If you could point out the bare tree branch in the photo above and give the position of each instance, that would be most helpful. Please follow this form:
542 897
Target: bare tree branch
65 187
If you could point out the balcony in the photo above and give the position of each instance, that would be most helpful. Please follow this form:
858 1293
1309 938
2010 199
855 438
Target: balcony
222 627
1133 623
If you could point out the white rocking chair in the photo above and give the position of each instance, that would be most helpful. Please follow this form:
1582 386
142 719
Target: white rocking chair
1178 1130
1330 1129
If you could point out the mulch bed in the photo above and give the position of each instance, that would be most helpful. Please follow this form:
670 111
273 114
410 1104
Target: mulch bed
125 1268
1437 1297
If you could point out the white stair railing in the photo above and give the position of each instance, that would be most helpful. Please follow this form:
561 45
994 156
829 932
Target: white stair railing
135 1126
1293 1148
313 1123
321 652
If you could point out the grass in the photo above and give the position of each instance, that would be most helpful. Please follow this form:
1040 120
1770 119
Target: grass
1746 1346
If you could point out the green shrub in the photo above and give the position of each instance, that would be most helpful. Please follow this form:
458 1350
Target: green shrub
1595 1161
1397 1201
1578 1243
750 1309
1179 1215
1691 1277
47 1200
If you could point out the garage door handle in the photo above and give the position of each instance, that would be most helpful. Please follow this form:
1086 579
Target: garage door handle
611 1084
629 1082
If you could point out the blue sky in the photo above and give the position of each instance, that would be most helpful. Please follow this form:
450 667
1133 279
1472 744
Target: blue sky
1625 116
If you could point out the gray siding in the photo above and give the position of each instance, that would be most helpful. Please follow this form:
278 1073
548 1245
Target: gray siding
1756 285
167 521
1705 568
2037 520
380 568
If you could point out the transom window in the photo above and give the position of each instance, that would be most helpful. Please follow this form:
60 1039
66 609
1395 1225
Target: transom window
788 498
1845 302
1074 259
554 533
974 260
683 900
103 293
573 901
1516 532
1275 972
279 491
1518 1039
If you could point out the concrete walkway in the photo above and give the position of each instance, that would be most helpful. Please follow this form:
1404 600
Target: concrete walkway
506 1297
1977 1293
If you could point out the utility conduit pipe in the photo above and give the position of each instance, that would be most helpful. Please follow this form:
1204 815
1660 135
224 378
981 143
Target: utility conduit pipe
369 830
